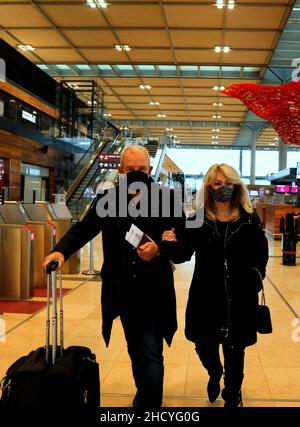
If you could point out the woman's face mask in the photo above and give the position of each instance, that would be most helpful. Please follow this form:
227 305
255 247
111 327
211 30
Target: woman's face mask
222 194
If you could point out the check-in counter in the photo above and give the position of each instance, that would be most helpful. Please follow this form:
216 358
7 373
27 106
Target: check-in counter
16 261
270 214
45 237
61 217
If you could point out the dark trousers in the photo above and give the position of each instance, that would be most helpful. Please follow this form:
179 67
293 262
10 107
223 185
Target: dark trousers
145 348
208 352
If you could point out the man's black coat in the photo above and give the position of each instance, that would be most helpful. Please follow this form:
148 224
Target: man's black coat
130 285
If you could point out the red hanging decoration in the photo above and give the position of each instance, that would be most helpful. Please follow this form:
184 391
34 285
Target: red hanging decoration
280 105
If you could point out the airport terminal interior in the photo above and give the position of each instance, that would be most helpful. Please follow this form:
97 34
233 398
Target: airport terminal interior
80 80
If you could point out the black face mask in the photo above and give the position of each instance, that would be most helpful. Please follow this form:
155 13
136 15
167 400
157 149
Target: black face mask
136 176
222 194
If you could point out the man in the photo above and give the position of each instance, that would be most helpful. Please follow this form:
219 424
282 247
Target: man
137 284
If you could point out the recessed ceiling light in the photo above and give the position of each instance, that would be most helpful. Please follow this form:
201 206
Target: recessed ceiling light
218 87
161 115
145 87
26 47
220 4
217 104
154 103
106 114
215 130
122 47
216 116
224 49
97 3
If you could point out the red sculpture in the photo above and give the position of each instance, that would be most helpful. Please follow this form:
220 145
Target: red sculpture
280 105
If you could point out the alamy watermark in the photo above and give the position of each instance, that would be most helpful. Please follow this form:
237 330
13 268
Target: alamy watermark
2 70
2 330
296 331
151 200
296 72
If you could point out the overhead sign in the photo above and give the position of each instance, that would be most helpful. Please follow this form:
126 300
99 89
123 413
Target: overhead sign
109 161
27 116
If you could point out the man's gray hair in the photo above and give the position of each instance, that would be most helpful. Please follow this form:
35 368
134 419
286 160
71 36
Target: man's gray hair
135 149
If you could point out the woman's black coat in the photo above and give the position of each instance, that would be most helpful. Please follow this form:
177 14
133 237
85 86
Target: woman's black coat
223 296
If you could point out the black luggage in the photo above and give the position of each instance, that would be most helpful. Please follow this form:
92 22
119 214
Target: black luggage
70 381
288 249
288 228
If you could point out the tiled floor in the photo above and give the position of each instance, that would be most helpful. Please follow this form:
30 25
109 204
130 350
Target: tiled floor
272 372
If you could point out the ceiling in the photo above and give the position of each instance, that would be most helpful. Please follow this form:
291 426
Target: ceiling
172 49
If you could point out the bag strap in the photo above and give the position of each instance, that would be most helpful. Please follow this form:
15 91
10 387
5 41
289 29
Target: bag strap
263 298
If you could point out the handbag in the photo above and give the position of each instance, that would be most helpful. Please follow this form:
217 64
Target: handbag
263 315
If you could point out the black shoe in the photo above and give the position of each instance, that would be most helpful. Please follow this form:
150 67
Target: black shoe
233 401
213 388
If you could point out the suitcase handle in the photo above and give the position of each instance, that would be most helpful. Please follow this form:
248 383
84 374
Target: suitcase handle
50 270
52 266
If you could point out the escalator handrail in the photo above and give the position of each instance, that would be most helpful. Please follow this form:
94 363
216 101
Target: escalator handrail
83 159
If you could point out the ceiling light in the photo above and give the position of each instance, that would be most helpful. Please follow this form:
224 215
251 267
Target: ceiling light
218 87
216 116
154 103
215 130
106 114
215 137
215 142
26 47
161 115
122 47
220 4
217 104
97 3
224 49
169 129
145 87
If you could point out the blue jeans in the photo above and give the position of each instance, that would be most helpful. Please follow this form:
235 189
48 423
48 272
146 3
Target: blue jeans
145 348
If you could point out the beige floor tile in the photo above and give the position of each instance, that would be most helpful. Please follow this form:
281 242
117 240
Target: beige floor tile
196 381
174 379
283 382
179 352
119 379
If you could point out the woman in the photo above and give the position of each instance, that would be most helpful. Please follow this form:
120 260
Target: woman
231 256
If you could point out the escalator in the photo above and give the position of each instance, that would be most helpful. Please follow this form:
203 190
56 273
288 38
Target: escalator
89 174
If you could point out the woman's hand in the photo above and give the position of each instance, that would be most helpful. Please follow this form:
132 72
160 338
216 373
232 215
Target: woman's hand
169 235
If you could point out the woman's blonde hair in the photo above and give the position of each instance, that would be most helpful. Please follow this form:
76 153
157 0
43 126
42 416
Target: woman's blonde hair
239 196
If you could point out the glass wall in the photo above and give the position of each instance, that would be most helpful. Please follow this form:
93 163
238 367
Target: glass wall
195 162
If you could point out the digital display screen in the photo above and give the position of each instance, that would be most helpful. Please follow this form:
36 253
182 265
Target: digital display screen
282 188
294 188
253 192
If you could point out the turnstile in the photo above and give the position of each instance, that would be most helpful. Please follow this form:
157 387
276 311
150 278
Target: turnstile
59 214
44 232
16 260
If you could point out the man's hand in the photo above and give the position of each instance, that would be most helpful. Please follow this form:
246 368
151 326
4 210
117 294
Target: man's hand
169 235
148 251
55 256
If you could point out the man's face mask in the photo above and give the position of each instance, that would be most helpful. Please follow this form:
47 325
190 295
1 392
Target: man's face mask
137 180
137 176
222 194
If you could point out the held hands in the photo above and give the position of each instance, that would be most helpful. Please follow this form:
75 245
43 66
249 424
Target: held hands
169 235
55 256
148 251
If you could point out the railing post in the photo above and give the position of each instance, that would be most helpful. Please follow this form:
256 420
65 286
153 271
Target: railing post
91 270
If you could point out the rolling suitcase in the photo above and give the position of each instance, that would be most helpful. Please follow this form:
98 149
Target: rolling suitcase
69 381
